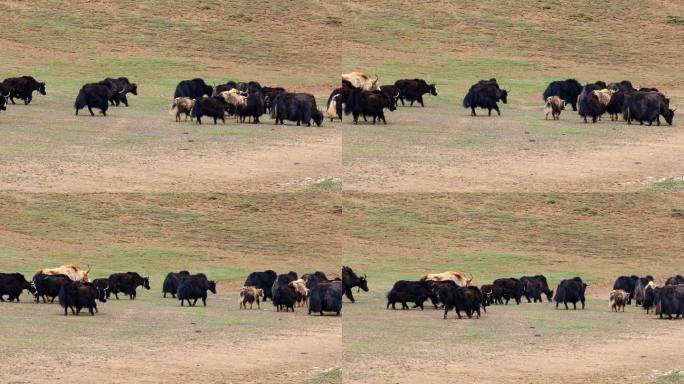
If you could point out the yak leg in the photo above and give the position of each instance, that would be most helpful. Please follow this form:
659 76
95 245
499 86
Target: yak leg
490 111
12 99
496 108
472 113
91 111
194 302
116 294
204 301
420 100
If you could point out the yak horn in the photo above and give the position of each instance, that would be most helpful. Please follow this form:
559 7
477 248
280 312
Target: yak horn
88 265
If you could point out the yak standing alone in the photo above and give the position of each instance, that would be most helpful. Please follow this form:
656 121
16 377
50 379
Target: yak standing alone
412 90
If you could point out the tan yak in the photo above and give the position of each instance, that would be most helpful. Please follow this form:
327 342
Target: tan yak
362 81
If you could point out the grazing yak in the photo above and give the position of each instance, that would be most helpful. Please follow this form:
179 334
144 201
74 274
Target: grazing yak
413 90
127 283
554 105
212 106
77 295
567 90
361 81
193 89
120 88
669 301
12 284
416 292
93 95
675 280
22 88
485 94
457 277
511 287
491 294
326 297
182 105
368 103
618 299
74 272
263 280
195 287
284 296
48 286
172 282
351 280
570 291
250 295
298 107
468 299
648 107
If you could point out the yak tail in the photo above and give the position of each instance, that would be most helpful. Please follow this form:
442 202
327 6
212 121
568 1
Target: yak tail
81 101
274 111
174 106
332 109
626 114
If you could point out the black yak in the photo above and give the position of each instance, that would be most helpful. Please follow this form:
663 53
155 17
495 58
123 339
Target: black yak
368 103
93 96
23 87
351 280
413 90
570 291
212 106
485 94
326 297
567 90
648 107
172 281
193 89
263 280
195 287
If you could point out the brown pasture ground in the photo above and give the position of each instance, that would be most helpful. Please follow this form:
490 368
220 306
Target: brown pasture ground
434 190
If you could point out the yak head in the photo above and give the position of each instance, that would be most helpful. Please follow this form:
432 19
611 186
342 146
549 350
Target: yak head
41 88
317 117
133 88
102 294
146 282
212 286
669 115
362 283
504 96
433 90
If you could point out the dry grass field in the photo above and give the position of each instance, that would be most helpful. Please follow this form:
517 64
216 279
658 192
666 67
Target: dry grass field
434 189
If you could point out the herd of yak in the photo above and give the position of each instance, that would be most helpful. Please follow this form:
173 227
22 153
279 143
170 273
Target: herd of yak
358 96
76 291
451 290
448 290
